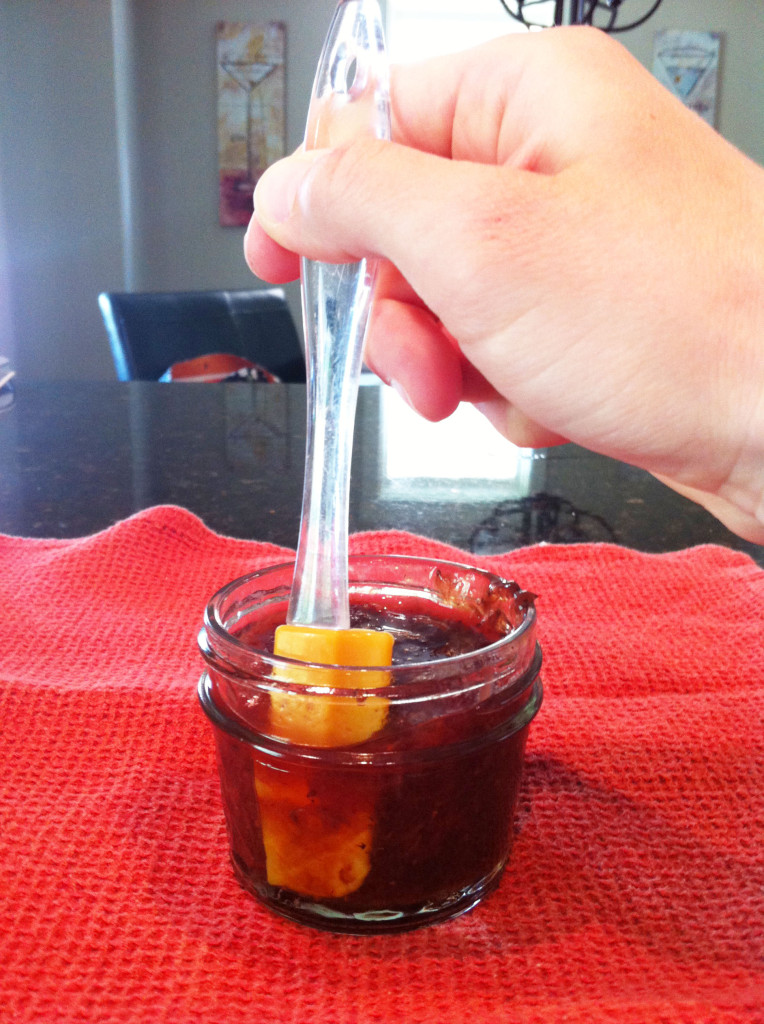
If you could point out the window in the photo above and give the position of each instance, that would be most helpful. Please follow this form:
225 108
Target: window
438 461
434 459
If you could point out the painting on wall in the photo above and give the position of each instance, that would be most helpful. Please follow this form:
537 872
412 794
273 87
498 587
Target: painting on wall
687 63
251 113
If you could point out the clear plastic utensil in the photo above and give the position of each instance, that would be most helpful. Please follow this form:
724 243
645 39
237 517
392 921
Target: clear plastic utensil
350 98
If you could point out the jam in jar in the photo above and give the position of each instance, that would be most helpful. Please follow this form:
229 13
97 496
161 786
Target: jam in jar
388 804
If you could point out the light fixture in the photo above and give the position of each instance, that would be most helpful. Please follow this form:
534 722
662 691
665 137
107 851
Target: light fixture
609 15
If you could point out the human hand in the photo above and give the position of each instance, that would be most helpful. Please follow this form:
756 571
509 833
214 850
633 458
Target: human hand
562 243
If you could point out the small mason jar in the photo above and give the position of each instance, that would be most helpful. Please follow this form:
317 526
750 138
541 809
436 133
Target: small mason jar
374 799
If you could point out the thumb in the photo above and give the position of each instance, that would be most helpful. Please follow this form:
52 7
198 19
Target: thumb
437 220
331 204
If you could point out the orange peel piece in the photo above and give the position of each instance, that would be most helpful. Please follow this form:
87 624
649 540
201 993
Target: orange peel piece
320 720
311 847
319 844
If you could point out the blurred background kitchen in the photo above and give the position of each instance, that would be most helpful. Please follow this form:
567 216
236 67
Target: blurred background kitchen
108 159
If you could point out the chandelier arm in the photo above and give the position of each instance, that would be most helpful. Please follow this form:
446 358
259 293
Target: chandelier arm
518 16
613 8
589 15
586 18
640 21
585 12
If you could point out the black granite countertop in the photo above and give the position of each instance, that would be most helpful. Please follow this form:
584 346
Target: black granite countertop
77 457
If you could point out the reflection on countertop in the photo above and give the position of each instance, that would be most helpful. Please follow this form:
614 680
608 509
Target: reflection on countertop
76 457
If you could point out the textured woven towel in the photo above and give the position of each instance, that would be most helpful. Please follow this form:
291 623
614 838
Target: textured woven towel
636 888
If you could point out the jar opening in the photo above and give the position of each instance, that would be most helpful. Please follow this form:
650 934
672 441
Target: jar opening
484 620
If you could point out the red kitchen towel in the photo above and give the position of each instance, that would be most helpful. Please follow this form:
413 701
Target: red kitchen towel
636 888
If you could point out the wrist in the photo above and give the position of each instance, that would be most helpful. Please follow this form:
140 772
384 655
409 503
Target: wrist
743 490
737 499
731 513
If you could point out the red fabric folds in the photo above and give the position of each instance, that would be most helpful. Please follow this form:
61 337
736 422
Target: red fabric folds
635 893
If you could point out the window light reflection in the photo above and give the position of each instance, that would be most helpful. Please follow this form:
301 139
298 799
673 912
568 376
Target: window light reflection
462 454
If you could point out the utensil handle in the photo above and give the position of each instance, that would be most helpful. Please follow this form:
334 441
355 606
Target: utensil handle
350 98
337 304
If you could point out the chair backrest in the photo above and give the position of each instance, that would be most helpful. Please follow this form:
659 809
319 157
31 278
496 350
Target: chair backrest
149 331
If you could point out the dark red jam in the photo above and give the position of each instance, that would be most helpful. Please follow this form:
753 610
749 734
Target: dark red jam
412 825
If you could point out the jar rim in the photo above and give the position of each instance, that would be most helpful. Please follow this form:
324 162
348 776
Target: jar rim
408 678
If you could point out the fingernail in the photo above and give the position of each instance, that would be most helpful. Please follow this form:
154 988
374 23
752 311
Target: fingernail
371 366
277 192
400 390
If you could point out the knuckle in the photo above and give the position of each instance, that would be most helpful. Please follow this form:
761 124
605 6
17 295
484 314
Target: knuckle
339 188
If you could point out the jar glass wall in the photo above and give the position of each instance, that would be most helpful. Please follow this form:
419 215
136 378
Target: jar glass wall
387 801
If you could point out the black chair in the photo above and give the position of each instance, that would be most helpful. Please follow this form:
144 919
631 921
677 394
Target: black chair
150 331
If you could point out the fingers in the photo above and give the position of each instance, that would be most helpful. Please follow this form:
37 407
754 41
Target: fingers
411 351
450 227
521 102
539 103
325 204
407 347
518 428
535 101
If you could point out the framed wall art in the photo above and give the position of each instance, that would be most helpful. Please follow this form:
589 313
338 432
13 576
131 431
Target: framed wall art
687 63
251 111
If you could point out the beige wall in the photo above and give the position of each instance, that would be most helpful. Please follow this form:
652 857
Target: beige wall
108 181
58 183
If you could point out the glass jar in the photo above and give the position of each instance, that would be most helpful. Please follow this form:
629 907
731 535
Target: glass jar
408 819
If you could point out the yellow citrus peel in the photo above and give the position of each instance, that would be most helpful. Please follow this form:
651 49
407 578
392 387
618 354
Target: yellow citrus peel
322 720
315 845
